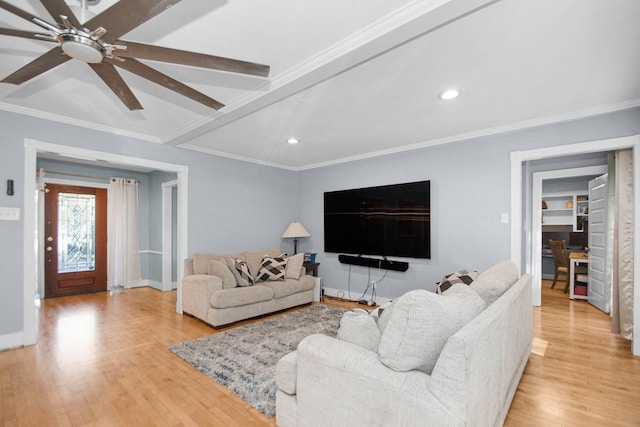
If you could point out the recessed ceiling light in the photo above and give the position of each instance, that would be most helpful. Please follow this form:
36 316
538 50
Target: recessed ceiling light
449 94
292 140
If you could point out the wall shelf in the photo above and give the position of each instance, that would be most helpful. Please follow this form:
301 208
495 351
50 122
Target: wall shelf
565 209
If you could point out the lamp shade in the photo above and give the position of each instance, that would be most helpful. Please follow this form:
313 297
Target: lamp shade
295 230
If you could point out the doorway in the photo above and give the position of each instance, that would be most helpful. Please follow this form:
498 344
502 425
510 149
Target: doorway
30 268
521 221
75 243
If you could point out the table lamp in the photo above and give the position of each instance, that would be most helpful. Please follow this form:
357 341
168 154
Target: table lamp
294 231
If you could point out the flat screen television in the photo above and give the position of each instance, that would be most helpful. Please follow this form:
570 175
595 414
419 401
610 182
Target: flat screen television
388 220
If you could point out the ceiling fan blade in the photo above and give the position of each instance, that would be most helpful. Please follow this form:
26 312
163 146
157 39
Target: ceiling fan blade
23 34
113 79
183 57
59 7
126 15
43 63
17 11
137 67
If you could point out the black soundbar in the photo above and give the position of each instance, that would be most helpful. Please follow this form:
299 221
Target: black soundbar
374 262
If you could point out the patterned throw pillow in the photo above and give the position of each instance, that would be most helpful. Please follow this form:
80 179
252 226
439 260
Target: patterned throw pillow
272 268
240 270
462 276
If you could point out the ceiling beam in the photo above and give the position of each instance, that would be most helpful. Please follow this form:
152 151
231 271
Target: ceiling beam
402 26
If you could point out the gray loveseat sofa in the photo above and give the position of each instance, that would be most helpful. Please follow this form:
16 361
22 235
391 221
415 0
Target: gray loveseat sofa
213 292
471 381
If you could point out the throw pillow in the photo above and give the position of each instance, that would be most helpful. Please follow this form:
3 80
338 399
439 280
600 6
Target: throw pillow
419 326
240 270
359 328
220 269
254 258
462 276
495 281
294 266
272 269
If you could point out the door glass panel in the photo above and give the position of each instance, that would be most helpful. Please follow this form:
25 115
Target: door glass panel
76 232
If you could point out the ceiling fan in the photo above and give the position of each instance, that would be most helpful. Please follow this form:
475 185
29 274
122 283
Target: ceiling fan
97 43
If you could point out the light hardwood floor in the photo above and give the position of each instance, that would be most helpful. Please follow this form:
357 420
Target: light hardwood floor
102 359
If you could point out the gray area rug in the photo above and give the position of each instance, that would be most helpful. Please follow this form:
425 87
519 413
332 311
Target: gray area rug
243 359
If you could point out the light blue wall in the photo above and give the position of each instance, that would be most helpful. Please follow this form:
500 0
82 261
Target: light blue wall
233 205
470 189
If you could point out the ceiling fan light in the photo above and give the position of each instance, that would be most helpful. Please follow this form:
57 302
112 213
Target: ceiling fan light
293 141
82 48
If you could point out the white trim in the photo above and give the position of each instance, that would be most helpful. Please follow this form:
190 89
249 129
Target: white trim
30 325
149 252
512 127
534 265
238 157
167 221
12 341
78 183
31 150
547 120
75 122
635 345
517 161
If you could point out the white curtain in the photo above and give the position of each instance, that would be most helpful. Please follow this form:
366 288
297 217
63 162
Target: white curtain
124 252
622 314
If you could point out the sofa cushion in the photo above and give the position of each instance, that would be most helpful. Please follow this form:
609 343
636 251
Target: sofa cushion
254 258
495 281
240 270
294 266
461 276
272 269
228 298
220 269
201 262
419 325
290 286
358 327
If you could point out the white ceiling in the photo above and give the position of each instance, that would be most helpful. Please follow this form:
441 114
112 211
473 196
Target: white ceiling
349 79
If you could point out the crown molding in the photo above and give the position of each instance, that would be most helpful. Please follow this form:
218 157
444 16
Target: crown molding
75 122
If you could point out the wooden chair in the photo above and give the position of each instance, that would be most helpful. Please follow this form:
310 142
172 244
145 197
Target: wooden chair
560 261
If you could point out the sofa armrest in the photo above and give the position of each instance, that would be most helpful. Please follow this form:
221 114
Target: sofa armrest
196 293
359 389
188 267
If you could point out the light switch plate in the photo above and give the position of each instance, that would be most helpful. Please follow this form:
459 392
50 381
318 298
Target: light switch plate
504 218
9 214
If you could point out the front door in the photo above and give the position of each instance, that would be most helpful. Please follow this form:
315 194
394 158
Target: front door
75 243
597 284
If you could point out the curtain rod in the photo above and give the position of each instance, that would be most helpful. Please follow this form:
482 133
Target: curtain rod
45 172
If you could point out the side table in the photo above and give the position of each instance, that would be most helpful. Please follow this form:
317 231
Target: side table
311 267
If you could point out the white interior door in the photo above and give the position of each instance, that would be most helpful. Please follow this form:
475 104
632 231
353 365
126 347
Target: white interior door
597 243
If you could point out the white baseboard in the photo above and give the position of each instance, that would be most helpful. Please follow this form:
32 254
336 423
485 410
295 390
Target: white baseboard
154 284
10 341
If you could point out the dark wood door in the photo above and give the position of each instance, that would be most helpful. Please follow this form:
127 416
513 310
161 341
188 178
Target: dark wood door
75 241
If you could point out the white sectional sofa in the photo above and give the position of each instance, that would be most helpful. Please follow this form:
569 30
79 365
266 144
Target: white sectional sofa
213 292
387 378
